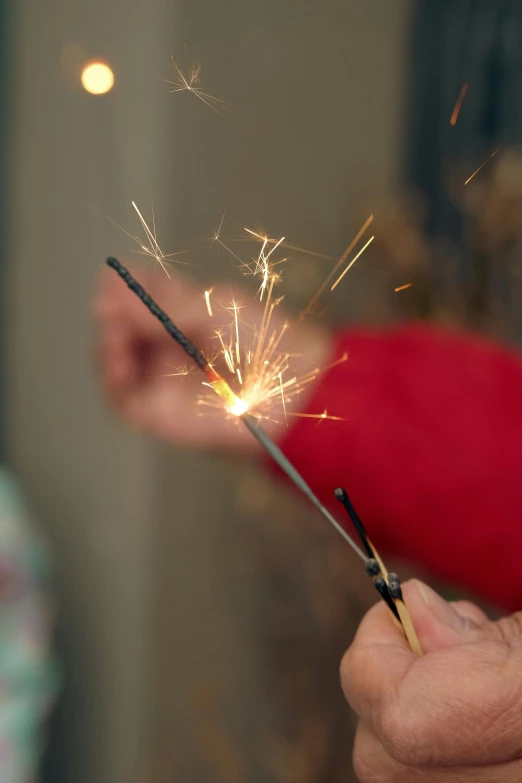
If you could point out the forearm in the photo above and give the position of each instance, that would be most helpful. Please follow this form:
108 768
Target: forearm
428 447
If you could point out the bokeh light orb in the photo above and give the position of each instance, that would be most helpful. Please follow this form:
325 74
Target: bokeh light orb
97 77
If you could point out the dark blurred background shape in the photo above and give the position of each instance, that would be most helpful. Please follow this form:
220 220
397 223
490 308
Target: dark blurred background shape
473 43
471 46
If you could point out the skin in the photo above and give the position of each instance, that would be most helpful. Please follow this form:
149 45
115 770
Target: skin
455 714
135 355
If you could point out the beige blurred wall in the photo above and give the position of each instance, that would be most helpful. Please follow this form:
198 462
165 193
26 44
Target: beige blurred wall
319 91
91 483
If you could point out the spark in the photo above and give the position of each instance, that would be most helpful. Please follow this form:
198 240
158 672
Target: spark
187 82
290 246
403 287
258 375
481 167
183 371
309 308
283 396
458 105
152 249
352 262
217 234
207 300
321 416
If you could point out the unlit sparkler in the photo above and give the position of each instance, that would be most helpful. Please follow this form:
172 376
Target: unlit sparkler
387 584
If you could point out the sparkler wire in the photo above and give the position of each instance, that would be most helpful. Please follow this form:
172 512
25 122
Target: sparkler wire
250 422
189 348
277 455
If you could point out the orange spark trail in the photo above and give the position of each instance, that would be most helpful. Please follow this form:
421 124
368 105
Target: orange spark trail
297 248
458 105
403 287
480 167
352 262
308 309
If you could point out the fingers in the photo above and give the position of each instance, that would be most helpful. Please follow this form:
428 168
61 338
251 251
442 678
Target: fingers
430 710
372 764
114 302
133 350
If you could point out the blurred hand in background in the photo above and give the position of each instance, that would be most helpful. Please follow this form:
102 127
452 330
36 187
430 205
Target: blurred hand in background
136 356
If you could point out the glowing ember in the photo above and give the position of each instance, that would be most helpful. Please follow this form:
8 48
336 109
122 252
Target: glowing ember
458 105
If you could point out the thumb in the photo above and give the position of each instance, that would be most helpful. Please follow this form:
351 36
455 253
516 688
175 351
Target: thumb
440 623
467 685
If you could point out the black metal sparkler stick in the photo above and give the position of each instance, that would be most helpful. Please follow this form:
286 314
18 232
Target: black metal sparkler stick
189 347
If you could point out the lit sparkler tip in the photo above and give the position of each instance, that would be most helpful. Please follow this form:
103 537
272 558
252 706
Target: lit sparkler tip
238 408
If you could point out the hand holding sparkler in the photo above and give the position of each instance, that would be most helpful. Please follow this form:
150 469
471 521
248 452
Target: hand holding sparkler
451 716
137 358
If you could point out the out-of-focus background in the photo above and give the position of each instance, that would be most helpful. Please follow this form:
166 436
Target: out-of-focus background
200 631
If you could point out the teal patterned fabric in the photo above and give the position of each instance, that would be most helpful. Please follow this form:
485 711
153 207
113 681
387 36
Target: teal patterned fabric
29 675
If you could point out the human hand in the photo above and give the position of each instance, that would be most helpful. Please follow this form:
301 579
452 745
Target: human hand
451 716
136 356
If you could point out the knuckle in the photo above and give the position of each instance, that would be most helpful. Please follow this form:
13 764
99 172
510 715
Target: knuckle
372 764
346 670
366 763
405 742
509 627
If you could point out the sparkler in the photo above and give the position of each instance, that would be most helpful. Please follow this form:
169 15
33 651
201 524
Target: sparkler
235 405
258 374
388 585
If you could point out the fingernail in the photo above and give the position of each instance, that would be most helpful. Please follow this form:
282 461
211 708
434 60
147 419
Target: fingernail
443 611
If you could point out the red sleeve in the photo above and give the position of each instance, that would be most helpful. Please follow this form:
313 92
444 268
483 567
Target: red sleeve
430 451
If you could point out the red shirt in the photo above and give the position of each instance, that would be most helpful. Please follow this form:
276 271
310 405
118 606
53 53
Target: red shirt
430 451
